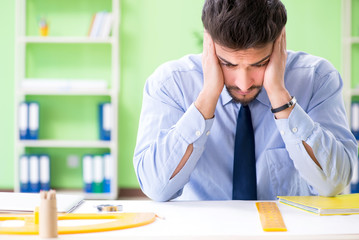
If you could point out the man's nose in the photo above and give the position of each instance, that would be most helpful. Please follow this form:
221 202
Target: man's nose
243 80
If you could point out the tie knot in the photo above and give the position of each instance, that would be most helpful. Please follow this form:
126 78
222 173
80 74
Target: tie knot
244 111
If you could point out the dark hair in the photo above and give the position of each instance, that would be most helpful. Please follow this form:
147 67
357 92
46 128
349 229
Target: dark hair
243 24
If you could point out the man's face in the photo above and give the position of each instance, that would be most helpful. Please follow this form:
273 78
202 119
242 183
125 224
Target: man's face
243 71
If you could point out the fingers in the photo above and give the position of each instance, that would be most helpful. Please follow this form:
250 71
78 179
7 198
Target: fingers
212 71
208 46
277 43
280 47
274 74
283 46
205 44
284 35
281 42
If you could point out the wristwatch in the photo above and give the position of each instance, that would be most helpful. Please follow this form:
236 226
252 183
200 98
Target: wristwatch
285 106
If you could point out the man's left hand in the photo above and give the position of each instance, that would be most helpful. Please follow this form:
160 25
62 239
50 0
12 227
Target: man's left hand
274 76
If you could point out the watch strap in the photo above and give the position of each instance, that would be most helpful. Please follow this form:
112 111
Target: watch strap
285 106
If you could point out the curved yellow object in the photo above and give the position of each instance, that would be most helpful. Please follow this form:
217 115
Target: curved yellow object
121 221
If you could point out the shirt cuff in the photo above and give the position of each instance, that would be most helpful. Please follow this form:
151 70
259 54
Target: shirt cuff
193 128
297 128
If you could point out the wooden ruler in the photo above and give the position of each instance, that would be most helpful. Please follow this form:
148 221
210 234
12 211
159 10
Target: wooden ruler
270 216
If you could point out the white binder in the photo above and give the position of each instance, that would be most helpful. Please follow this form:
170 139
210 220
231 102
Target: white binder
45 172
33 120
107 172
87 173
98 174
355 116
34 174
107 117
23 120
24 177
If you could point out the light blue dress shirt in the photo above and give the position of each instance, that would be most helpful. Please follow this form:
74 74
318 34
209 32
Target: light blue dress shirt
169 122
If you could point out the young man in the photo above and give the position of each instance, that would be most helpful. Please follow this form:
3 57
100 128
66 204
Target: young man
186 139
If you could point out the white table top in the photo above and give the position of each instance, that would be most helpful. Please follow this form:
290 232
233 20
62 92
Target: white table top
214 220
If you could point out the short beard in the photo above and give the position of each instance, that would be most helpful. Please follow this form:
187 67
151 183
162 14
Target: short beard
245 101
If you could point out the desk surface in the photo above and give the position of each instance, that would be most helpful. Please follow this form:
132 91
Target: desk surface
214 220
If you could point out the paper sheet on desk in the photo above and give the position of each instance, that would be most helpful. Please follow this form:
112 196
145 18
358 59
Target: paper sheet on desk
27 202
223 220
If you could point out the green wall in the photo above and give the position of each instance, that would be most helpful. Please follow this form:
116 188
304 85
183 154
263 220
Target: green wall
315 27
7 22
355 47
152 32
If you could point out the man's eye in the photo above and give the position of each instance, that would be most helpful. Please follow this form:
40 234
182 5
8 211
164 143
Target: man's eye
226 64
262 64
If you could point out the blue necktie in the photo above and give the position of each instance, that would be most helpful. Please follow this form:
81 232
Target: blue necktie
244 167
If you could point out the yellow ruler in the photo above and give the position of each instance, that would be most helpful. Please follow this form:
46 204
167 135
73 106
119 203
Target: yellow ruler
270 216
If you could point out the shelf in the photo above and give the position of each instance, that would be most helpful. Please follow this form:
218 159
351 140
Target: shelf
354 92
90 92
54 86
65 144
354 39
107 40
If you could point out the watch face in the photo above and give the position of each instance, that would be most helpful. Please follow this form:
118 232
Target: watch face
293 101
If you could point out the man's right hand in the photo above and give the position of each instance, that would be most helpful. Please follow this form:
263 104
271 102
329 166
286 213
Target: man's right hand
213 80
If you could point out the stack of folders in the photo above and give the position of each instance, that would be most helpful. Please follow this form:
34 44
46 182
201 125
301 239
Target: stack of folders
34 173
355 119
97 173
29 120
105 121
101 24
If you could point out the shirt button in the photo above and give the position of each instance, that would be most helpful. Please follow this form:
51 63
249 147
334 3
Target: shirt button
282 132
295 130
198 133
208 132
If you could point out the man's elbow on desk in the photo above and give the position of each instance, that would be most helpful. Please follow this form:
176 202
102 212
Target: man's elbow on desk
335 182
159 195
331 191
160 192
329 187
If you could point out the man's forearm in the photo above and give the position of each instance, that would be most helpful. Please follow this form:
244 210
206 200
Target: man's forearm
183 160
206 104
161 153
324 161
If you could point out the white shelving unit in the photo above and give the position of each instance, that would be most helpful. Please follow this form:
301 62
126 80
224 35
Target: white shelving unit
347 41
22 40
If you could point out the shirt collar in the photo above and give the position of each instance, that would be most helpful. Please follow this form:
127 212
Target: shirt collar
225 97
262 97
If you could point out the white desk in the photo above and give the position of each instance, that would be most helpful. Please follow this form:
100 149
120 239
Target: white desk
215 220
